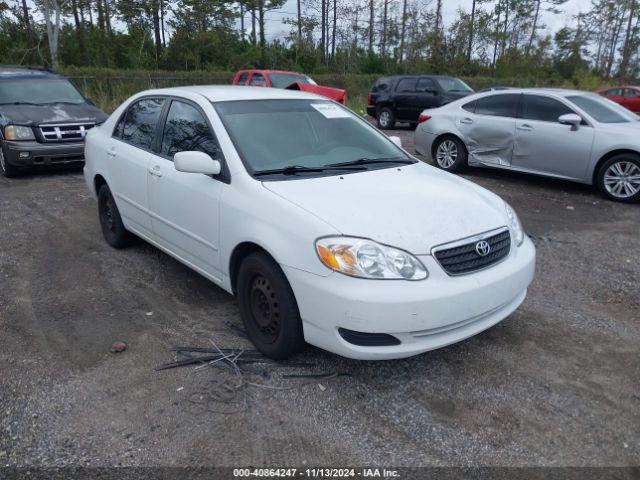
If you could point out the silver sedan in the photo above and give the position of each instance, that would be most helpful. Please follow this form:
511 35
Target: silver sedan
564 134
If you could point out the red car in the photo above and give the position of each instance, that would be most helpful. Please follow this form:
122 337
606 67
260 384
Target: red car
289 80
628 97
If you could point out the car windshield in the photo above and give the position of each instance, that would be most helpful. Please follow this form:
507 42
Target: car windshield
602 109
282 80
452 84
39 91
304 134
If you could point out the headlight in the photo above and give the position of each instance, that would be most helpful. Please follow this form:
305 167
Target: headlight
17 132
359 257
514 224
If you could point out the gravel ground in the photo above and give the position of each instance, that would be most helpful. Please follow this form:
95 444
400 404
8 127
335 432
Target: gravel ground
556 384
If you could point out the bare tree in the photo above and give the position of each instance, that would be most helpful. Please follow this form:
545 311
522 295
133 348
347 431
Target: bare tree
52 12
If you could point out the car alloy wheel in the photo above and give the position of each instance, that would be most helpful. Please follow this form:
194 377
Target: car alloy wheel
384 119
622 179
447 154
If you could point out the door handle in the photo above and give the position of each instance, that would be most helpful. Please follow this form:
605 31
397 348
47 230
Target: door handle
111 152
155 171
525 127
466 121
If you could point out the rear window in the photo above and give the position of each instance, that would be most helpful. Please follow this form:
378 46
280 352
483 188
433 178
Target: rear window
381 85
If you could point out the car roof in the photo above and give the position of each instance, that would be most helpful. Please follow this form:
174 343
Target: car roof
17 72
270 71
417 75
227 93
560 92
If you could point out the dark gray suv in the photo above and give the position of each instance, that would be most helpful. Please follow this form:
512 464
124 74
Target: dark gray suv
43 120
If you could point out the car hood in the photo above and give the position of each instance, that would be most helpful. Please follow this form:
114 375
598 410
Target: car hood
336 94
413 207
54 113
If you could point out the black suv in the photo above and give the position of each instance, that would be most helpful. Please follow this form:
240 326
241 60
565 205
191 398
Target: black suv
43 120
403 97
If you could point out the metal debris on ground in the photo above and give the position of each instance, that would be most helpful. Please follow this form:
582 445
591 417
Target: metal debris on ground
240 374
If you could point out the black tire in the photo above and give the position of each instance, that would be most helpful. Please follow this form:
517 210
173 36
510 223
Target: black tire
453 157
386 119
112 227
268 307
8 170
614 178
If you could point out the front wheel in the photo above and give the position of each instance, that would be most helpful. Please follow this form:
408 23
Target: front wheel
268 307
450 154
8 170
619 178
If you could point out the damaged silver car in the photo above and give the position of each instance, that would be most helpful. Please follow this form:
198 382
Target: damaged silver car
564 134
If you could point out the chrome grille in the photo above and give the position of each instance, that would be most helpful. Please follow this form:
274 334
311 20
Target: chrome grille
466 256
63 132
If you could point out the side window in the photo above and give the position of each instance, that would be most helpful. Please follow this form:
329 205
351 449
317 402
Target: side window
140 122
544 109
406 85
425 84
503 105
257 80
629 92
613 91
186 130
470 107
242 79
117 131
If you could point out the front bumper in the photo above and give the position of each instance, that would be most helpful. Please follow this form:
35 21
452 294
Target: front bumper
371 111
423 315
33 154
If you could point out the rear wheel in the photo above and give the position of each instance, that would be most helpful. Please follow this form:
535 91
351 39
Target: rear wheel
7 169
450 154
113 229
386 119
268 307
619 178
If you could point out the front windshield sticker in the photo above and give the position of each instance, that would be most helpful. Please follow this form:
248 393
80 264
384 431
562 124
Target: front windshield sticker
330 111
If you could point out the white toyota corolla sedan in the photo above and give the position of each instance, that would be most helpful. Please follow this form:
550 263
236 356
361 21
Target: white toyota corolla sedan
325 229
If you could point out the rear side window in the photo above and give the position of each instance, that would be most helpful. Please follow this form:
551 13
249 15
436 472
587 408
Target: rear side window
185 130
257 80
406 85
503 105
381 85
242 79
543 109
470 107
425 84
140 122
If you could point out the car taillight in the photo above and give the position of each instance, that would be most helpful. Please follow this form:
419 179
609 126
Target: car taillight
369 99
423 117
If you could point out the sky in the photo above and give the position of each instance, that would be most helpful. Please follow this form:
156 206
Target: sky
276 29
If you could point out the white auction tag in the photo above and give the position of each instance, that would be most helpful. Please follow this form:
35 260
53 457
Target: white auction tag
329 110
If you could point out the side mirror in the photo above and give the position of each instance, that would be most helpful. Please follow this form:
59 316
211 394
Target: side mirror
196 162
570 119
396 140
90 101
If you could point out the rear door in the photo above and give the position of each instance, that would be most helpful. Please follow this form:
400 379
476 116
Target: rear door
185 206
427 95
545 145
488 125
405 99
130 151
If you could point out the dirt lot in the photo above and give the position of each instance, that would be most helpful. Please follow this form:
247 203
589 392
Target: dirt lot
556 384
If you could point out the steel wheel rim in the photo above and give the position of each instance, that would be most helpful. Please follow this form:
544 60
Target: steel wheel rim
107 214
447 153
264 308
622 179
384 119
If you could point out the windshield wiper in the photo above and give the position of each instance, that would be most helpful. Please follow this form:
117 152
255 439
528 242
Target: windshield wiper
22 103
370 161
294 169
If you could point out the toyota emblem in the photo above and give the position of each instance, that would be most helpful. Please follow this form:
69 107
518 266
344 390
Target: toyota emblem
483 248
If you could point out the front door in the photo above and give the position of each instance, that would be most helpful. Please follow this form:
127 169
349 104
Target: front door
545 145
185 206
405 99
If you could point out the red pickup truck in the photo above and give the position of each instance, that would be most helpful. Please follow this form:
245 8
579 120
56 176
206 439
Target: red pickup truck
289 80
